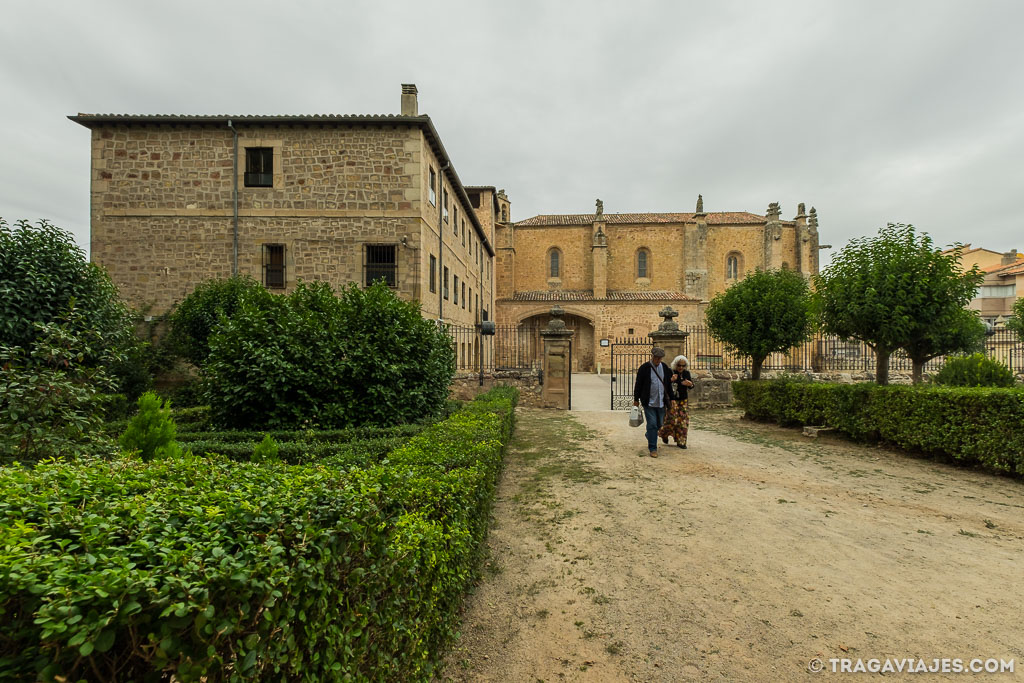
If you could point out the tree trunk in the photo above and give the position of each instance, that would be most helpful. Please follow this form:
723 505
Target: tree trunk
882 366
755 371
918 371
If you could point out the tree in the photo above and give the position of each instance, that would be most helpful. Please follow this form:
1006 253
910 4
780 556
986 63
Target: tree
1016 323
768 311
311 357
892 290
961 331
43 275
195 318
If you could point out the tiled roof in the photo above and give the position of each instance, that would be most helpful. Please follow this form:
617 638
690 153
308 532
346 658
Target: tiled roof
1015 268
588 295
712 218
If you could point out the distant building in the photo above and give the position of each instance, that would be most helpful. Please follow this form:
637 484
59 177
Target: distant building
1003 284
612 273
336 198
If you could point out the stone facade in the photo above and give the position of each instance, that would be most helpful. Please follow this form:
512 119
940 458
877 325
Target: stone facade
163 210
612 273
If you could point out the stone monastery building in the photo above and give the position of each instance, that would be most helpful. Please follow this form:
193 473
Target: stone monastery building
179 199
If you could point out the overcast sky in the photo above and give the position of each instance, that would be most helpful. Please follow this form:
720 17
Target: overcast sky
871 111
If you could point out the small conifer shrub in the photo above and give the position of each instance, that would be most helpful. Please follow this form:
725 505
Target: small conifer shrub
151 432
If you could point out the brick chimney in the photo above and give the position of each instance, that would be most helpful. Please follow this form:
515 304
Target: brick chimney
410 105
1009 257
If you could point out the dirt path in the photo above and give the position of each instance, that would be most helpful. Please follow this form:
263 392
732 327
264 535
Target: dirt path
741 558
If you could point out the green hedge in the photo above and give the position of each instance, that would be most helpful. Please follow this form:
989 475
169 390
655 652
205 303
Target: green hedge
306 435
358 452
209 569
974 426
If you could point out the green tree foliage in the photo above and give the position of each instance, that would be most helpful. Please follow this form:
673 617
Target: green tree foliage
976 370
152 431
43 273
265 450
768 311
362 357
1016 323
958 331
48 406
892 291
195 318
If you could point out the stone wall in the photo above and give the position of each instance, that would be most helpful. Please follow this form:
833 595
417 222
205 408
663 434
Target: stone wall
466 387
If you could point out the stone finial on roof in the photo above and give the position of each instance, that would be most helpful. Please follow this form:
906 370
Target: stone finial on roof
700 203
556 326
812 220
600 209
501 194
669 325
800 210
773 211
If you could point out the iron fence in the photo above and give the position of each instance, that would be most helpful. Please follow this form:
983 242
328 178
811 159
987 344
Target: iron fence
519 347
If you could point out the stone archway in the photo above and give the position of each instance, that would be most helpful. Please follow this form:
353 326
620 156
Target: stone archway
583 339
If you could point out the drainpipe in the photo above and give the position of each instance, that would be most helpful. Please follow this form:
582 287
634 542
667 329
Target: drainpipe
440 242
234 179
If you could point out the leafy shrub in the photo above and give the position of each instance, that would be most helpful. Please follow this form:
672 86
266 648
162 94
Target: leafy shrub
265 450
197 316
968 425
364 357
976 370
206 569
151 432
49 405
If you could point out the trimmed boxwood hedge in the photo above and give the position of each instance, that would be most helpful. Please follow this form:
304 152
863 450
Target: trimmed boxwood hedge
973 426
210 569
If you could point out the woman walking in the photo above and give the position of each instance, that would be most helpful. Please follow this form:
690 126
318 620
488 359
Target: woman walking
677 421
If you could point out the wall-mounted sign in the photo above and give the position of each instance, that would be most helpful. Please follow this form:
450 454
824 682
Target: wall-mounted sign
604 342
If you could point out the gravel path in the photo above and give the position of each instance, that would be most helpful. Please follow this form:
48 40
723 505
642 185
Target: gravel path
742 558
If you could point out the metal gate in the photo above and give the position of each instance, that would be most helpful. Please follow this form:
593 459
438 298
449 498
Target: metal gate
628 354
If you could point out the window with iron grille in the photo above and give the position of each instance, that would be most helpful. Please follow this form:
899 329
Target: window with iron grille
455 290
433 191
446 283
259 166
463 294
273 266
381 263
433 273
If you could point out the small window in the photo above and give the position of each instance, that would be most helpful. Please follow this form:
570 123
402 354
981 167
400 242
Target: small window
474 200
641 263
381 264
463 294
259 166
630 331
554 264
446 283
463 233
470 299
504 214
433 190
455 213
444 204
732 267
433 274
455 290
273 266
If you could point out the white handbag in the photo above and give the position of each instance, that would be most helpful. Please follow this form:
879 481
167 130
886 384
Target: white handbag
636 416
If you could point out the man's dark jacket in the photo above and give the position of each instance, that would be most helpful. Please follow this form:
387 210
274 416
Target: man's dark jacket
642 386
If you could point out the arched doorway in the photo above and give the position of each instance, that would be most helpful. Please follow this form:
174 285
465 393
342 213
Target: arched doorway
582 339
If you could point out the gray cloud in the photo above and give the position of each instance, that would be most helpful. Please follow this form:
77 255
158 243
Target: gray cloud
871 111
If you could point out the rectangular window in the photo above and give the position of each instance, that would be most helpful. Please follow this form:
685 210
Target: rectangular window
455 290
455 213
381 263
433 274
997 291
273 266
446 283
444 204
470 299
463 294
463 233
259 166
433 191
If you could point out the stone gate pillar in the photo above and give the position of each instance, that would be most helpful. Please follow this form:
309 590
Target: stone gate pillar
557 369
669 337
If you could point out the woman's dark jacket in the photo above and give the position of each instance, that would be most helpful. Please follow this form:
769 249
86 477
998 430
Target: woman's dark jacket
677 388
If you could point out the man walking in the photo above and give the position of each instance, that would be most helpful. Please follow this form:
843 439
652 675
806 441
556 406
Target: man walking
651 390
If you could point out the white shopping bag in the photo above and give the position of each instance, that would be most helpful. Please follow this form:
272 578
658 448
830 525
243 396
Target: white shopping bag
636 417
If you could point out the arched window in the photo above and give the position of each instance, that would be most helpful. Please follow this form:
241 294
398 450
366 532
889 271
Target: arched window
643 261
554 263
732 266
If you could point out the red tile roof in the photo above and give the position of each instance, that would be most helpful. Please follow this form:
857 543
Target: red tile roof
588 295
1006 269
712 218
